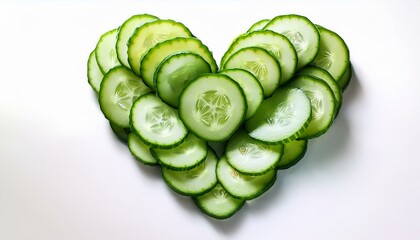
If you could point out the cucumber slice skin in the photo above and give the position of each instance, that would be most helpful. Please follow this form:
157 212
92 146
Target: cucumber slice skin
170 82
238 185
194 94
283 23
152 59
135 125
105 53
126 31
269 83
168 157
258 25
140 150
276 44
273 113
230 205
119 88
332 46
254 93
241 146
94 73
121 133
140 42
325 76
345 79
169 176
303 82
293 152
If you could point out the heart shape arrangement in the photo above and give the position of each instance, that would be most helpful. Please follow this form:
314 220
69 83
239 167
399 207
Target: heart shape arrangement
278 85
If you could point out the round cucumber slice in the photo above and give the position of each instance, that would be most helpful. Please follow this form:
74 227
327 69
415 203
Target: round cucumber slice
278 45
190 153
259 62
94 73
301 32
293 153
212 106
333 54
250 157
157 124
140 150
345 79
157 54
322 104
243 186
119 89
197 181
175 72
126 31
105 53
258 25
252 88
149 35
281 118
121 133
218 203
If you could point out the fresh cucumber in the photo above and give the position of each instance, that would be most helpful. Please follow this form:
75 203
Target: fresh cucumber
322 104
119 89
258 25
218 203
259 62
301 32
94 73
156 123
212 106
243 186
345 79
174 72
140 150
333 54
105 53
252 88
187 155
197 181
121 133
276 44
293 153
149 35
281 118
126 31
250 157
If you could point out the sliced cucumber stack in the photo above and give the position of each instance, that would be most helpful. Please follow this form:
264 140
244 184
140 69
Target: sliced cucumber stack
279 84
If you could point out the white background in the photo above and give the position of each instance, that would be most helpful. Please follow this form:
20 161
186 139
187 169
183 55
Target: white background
64 175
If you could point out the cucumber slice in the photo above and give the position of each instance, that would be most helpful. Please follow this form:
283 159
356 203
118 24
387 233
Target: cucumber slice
243 186
293 153
252 88
328 79
345 79
121 133
126 31
281 118
140 150
119 89
322 105
197 181
301 32
105 53
149 35
94 73
333 54
250 157
218 203
258 25
259 62
276 44
189 154
156 55
212 106
157 124
175 72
